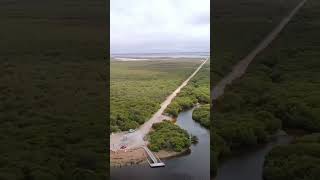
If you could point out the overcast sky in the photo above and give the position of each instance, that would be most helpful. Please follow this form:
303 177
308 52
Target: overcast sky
142 26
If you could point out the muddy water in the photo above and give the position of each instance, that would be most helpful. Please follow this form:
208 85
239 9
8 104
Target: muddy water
192 166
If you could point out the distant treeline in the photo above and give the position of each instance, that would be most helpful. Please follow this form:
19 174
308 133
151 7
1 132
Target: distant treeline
138 88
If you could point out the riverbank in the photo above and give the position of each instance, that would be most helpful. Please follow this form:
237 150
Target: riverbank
193 164
248 164
135 156
136 139
288 161
242 163
138 156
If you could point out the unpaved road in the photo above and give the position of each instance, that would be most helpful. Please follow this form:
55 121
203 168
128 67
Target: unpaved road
240 68
135 140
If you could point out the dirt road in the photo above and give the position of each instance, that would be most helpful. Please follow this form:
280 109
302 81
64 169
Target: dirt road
240 68
135 140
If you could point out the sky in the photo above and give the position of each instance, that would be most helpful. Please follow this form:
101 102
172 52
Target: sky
158 26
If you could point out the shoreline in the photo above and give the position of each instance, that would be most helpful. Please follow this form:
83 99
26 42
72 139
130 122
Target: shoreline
135 139
137 156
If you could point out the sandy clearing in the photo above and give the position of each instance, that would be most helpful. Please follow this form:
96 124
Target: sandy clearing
138 156
136 139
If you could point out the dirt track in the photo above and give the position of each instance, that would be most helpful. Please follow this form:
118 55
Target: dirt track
240 68
135 140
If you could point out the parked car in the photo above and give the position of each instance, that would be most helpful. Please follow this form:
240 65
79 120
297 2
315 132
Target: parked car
131 130
123 147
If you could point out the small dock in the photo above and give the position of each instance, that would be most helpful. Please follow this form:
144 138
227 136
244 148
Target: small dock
153 160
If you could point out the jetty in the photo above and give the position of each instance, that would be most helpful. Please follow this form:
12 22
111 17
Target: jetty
153 160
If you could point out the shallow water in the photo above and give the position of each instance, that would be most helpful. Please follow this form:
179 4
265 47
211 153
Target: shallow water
193 166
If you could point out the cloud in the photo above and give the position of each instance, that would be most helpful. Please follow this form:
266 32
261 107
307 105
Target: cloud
159 25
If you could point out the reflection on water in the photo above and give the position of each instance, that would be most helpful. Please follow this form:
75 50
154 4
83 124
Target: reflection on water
192 166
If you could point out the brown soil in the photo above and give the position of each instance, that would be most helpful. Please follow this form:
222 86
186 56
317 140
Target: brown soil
138 156
128 157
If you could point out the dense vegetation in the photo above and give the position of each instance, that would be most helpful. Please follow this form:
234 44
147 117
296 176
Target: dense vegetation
138 88
239 26
300 160
47 123
168 136
202 115
196 91
53 90
280 90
